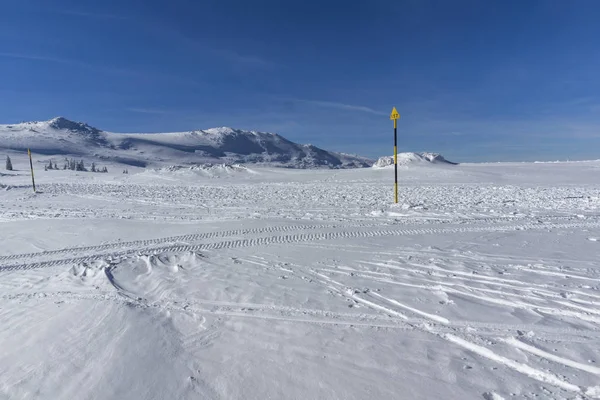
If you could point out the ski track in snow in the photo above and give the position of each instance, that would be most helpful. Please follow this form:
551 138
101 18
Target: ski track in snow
538 352
519 367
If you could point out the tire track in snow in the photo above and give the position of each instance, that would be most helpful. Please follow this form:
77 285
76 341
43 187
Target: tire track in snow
304 237
180 238
279 228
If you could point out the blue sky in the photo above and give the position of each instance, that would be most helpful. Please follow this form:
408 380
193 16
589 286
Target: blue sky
474 80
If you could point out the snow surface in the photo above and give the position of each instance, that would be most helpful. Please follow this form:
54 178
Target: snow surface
59 138
247 282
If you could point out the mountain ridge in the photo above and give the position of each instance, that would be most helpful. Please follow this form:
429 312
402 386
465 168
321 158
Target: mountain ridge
62 137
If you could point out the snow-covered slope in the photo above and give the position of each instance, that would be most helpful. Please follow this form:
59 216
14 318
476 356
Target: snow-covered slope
412 158
61 137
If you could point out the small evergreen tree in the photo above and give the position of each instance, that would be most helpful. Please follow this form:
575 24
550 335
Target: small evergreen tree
93 168
45 168
9 166
66 165
80 166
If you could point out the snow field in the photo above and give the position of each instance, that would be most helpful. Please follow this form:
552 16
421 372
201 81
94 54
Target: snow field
483 283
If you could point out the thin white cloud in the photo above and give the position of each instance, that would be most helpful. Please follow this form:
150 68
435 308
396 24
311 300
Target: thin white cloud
91 14
342 106
35 57
105 69
236 59
142 110
242 59
76 63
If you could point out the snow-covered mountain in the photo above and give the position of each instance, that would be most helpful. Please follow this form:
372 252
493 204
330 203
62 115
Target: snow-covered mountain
61 137
412 158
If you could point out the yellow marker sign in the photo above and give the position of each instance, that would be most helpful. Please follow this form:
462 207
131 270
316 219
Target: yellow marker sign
394 115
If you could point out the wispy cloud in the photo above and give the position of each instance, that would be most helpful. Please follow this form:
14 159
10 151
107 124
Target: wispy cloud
143 110
35 57
102 68
87 14
245 60
236 59
341 106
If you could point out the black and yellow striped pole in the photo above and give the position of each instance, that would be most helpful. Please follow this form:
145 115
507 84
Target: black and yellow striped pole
394 116
31 166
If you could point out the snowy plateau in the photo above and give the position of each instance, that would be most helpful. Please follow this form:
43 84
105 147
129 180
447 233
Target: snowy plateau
209 272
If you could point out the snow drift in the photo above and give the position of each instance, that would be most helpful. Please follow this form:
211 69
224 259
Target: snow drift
205 170
411 159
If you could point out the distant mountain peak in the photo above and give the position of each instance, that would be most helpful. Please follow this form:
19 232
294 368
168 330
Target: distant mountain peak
59 120
63 123
222 130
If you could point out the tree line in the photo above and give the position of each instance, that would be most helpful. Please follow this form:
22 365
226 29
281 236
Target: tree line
70 164
74 165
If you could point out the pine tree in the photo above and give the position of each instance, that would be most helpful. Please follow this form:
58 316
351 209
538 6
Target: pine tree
105 170
93 168
66 165
9 166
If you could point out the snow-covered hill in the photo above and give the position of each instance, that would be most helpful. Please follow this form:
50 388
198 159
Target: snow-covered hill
412 158
61 137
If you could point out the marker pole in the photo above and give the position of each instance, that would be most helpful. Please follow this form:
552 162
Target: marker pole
396 161
31 166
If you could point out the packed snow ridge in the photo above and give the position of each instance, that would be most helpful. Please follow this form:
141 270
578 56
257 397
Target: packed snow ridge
62 137
206 170
412 158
